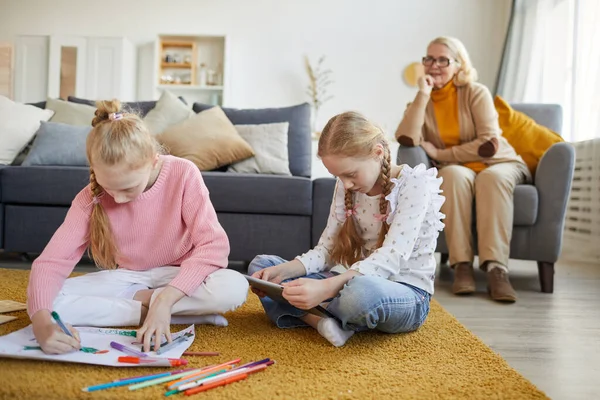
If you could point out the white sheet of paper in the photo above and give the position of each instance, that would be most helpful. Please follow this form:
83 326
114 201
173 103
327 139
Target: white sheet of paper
12 345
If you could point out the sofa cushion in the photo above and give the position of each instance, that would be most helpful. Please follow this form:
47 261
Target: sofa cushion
50 186
138 107
229 192
70 113
299 136
59 144
269 142
529 138
259 194
526 202
208 139
18 124
168 112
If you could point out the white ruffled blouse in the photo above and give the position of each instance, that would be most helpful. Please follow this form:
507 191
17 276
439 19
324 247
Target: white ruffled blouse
407 253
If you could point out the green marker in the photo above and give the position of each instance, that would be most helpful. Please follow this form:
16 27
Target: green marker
60 323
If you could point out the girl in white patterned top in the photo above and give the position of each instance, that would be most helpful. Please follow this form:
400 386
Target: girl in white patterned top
374 265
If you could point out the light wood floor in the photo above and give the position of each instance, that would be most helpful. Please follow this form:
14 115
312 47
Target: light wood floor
551 339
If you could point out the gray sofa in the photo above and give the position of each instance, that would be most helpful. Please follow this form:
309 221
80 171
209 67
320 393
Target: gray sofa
260 213
539 208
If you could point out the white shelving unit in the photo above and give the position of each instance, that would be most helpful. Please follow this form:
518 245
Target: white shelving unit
60 66
191 66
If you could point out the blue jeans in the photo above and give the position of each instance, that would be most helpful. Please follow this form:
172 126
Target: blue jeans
365 302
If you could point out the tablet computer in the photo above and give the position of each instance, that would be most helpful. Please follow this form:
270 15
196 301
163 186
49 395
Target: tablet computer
275 292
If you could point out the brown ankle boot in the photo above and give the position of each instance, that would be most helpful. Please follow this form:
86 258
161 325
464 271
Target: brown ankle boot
464 280
499 286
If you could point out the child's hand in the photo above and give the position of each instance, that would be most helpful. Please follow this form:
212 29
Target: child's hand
272 274
53 340
157 323
306 293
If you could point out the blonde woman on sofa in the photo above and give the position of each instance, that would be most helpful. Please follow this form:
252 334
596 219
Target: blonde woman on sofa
454 120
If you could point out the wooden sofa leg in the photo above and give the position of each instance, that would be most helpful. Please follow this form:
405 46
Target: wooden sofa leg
444 258
546 272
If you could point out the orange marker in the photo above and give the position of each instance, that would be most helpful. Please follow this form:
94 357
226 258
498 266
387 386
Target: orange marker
212 385
204 371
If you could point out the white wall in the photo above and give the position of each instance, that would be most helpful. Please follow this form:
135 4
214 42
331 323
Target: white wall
367 43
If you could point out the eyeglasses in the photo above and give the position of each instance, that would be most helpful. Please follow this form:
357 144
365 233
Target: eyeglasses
440 62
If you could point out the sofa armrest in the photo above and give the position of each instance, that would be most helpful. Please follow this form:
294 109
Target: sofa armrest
322 197
413 156
553 180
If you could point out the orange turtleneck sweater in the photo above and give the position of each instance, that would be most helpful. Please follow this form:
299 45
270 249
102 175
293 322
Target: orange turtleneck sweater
445 106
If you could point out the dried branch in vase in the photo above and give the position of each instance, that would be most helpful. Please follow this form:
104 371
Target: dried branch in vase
319 80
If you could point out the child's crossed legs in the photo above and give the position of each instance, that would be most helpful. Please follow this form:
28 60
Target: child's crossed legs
106 298
365 303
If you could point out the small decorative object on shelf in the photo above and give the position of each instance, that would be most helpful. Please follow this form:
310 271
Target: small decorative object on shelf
319 80
202 74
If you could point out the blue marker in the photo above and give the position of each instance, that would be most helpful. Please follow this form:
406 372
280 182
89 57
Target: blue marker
125 382
60 323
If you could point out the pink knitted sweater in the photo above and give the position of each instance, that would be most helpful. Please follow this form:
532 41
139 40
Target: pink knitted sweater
172 223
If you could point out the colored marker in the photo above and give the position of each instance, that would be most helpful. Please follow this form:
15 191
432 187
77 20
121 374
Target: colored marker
226 375
194 377
157 381
207 375
60 323
128 350
202 371
169 346
175 362
124 382
128 333
212 385
154 375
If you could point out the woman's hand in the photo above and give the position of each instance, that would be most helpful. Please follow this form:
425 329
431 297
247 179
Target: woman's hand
279 273
430 149
51 338
425 84
305 293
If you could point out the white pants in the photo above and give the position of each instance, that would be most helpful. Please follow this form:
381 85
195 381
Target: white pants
97 299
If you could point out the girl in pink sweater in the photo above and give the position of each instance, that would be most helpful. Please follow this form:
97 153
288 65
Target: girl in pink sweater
148 223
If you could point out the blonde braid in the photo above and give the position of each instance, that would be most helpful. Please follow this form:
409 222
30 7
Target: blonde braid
102 248
386 186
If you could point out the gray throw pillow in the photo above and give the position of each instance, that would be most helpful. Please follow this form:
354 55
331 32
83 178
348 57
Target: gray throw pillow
269 142
59 144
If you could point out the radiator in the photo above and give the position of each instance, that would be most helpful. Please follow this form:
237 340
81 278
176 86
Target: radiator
582 224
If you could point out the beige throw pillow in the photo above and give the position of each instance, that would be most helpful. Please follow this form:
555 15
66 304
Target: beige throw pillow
270 144
69 113
208 139
168 111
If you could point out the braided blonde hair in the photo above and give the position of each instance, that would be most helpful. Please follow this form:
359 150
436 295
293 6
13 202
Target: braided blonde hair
116 137
350 134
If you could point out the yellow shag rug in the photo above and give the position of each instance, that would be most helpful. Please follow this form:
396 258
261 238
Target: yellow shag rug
442 360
